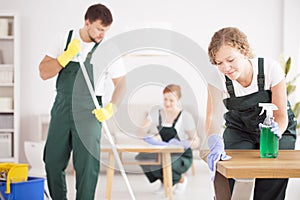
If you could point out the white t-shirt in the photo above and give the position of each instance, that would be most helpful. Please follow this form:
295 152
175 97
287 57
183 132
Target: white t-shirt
102 84
60 44
273 75
184 123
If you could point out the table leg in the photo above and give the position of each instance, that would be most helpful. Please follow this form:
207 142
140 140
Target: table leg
167 170
242 189
165 177
110 174
222 189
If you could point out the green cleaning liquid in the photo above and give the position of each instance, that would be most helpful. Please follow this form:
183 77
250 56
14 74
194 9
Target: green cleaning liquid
268 140
269 143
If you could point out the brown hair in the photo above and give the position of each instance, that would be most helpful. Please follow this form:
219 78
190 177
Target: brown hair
229 36
99 12
173 89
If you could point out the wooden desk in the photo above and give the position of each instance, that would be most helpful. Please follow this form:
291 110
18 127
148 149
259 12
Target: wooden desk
165 161
247 165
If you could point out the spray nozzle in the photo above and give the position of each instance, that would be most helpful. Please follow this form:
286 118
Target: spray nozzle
268 107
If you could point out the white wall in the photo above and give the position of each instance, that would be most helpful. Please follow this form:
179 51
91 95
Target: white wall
42 21
291 41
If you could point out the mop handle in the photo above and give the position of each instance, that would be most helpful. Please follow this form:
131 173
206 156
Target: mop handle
114 149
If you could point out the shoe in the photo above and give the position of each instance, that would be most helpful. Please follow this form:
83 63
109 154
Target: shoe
160 190
180 187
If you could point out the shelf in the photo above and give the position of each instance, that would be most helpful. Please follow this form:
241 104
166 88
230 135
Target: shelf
10 159
6 84
9 87
9 37
7 65
6 130
6 111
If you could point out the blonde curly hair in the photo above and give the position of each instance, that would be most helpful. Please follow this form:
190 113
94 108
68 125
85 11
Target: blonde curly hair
232 37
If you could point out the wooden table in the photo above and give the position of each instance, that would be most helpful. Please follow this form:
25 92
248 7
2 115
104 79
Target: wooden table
246 165
164 152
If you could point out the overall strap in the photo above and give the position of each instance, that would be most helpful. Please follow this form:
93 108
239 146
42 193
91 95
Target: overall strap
261 75
95 46
90 53
89 56
159 119
175 120
69 39
229 87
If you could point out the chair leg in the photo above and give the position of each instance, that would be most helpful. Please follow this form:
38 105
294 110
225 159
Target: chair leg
193 168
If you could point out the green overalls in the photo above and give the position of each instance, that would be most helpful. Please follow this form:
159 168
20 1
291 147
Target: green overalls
242 131
73 127
180 162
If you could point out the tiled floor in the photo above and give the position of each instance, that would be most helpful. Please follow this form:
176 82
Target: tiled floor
199 187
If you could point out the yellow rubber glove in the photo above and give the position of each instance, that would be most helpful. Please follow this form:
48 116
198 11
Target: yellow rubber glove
103 114
72 50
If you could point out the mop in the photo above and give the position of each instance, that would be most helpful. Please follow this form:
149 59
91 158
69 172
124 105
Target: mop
114 149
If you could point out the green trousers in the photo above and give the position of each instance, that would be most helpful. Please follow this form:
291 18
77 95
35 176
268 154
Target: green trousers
82 136
180 165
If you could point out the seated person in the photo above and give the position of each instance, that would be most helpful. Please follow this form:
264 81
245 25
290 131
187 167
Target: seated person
174 126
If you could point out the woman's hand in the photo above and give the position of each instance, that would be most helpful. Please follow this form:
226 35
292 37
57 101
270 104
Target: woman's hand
217 152
151 140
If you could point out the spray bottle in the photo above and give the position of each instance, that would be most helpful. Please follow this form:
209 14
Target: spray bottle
269 142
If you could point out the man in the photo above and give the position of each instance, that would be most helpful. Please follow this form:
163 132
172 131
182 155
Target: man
73 127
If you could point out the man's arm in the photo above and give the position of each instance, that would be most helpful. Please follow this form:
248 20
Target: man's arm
49 67
119 91
103 114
